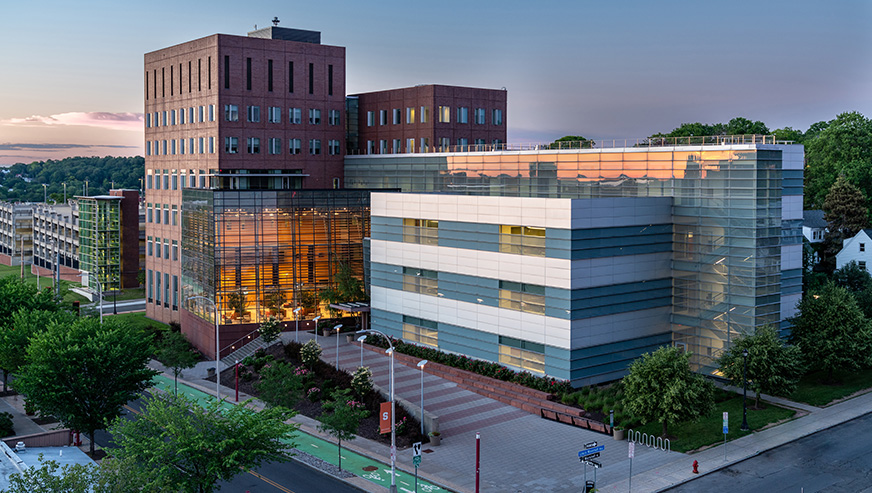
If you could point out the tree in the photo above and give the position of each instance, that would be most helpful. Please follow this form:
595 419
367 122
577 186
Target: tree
191 447
84 373
75 478
831 331
845 211
572 142
15 337
346 288
661 387
280 385
176 353
343 422
744 126
852 277
830 148
773 367
788 133
270 330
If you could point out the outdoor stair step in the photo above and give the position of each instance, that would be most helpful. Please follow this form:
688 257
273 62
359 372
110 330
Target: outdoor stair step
243 352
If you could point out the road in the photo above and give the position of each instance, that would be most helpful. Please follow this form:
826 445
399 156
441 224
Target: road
273 477
835 460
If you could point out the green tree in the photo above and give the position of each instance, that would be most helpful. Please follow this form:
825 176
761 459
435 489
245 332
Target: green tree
15 337
830 148
661 387
852 277
176 353
192 447
572 142
773 367
84 373
831 331
310 352
342 418
270 330
345 288
744 126
280 385
846 214
50 477
788 133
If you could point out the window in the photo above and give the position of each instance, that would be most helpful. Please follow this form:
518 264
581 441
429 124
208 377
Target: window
497 117
202 179
150 284
274 114
166 289
463 144
311 78
295 116
410 145
149 250
166 249
191 114
329 80
462 115
444 114
333 147
173 147
479 144
172 117
522 354
370 118
226 78
479 116
166 212
175 250
148 120
314 117
181 146
315 147
294 146
201 114
422 231
395 146
231 112
157 291
191 145
182 116
175 217
862 247
175 180
192 180
397 116
253 144
383 146
522 240
333 117
425 144
254 113
425 114
201 145
248 74
148 148
383 117
290 76
163 119
211 145
231 145
274 145
211 112
148 181
862 264
522 297
410 115
175 292
166 179
421 331
420 281
444 143
269 75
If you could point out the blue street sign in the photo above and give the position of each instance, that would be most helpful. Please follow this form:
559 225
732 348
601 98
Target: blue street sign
582 453
725 430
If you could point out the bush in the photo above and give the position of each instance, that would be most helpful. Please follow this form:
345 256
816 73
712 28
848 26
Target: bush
310 353
361 381
6 428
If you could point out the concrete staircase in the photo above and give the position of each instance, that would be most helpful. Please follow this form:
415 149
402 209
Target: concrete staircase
245 351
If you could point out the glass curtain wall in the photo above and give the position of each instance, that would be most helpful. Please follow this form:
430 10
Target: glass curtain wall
100 242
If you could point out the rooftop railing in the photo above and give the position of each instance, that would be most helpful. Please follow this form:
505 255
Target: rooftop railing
647 142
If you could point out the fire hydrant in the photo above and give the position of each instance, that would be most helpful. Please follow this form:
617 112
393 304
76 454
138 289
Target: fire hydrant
695 467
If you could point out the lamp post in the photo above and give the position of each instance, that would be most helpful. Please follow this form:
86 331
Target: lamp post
100 295
337 329
390 352
115 298
65 192
44 193
360 340
217 350
744 390
421 366
296 323
316 327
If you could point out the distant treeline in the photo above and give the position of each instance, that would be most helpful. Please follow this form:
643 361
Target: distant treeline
23 182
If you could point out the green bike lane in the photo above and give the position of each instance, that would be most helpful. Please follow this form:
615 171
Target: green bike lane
370 469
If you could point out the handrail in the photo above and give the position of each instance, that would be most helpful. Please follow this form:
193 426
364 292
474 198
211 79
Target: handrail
246 336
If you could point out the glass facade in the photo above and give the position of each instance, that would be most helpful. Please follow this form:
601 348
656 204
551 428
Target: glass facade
100 241
727 217
263 252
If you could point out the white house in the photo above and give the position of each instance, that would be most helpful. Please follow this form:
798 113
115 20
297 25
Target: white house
814 226
857 249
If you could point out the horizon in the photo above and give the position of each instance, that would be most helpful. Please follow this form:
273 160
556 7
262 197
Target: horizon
654 66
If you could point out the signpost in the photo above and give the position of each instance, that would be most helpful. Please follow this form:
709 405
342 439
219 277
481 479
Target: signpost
416 459
726 430
591 451
631 453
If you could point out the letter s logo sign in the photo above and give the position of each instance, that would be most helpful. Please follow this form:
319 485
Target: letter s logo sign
384 416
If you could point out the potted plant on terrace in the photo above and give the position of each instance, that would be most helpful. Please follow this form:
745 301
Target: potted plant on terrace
435 438
237 302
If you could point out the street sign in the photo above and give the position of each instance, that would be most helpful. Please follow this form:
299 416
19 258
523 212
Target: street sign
726 425
416 460
590 457
416 449
590 445
595 464
586 452
632 452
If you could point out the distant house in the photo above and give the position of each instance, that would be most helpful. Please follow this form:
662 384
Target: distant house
814 226
856 249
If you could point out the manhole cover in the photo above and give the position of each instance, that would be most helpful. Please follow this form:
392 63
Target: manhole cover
370 468
428 451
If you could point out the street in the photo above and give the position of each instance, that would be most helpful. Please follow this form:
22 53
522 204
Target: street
273 477
838 459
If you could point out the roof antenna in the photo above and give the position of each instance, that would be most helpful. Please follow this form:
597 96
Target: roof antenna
275 21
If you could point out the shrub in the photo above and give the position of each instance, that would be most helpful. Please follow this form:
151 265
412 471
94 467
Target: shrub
314 394
6 428
310 353
361 382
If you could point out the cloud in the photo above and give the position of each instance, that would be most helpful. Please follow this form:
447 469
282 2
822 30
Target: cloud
55 147
102 119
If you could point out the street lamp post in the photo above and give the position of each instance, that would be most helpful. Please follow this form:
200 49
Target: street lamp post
337 329
115 299
421 366
296 323
360 340
217 347
390 352
744 390
316 327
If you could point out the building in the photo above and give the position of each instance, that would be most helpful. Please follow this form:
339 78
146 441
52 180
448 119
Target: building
857 249
56 240
574 262
109 240
16 233
814 226
428 118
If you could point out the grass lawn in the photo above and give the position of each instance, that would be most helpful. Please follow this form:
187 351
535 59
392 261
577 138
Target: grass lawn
6 270
125 294
138 320
812 391
709 429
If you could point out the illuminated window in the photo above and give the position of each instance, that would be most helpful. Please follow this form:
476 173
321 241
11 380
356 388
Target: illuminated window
421 281
444 114
410 145
522 297
421 331
410 115
423 231
522 354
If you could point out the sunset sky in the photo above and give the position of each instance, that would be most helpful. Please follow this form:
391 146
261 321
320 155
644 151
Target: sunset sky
71 72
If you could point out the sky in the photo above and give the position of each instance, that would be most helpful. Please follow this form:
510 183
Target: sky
71 72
